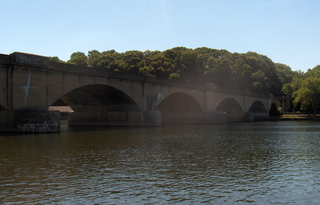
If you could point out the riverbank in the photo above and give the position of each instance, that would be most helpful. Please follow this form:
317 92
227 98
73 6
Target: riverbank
300 116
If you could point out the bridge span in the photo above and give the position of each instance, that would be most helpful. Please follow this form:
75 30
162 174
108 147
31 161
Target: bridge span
29 84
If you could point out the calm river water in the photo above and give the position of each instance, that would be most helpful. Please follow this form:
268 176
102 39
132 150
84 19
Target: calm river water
259 163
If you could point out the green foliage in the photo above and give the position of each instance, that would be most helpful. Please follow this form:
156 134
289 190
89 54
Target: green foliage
291 87
304 89
248 71
174 76
284 73
308 94
78 58
55 59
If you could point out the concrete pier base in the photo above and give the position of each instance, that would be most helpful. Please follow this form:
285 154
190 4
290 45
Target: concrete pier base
215 117
29 121
184 118
152 118
146 118
249 117
104 119
261 116
240 117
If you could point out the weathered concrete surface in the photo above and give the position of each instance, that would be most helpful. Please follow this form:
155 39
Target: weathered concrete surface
29 121
152 118
3 86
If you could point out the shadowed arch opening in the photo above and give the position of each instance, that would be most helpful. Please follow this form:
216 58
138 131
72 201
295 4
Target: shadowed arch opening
180 108
259 111
232 108
257 107
2 108
100 105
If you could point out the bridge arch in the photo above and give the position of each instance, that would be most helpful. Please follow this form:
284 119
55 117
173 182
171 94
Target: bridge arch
232 108
258 107
259 110
71 83
100 103
180 107
195 94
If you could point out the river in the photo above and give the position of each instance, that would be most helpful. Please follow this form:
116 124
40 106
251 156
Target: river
254 162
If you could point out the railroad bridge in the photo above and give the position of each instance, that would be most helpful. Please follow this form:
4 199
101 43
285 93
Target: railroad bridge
29 84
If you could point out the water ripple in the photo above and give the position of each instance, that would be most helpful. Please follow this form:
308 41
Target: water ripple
267 162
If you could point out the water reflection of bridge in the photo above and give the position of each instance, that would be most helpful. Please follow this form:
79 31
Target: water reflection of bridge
99 97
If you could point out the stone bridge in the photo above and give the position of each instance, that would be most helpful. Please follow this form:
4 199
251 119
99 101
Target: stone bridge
29 84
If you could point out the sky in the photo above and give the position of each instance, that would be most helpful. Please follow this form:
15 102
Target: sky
287 31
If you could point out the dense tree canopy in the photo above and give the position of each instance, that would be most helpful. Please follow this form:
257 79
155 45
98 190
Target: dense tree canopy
247 71
304 89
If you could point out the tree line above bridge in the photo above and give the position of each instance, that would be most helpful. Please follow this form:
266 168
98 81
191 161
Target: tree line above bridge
249 71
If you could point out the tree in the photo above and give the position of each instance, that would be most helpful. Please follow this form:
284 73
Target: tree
289 88
55 59
94 57
249 71
308 94
133 58
284 72
78 58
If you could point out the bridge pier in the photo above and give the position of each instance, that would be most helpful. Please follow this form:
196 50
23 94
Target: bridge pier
30 120
260 116
216 117
240 117
114 115
143 118
152 118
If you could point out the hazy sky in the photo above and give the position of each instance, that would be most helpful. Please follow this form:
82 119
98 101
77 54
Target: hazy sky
287 31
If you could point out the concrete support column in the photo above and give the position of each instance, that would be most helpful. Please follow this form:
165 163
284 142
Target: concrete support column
10 88
269 101
30 121
284 104
287 104
151 117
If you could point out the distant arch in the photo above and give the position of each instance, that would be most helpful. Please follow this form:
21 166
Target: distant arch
56 91
94 104
180 107
259 111
101 97
232 108
257 107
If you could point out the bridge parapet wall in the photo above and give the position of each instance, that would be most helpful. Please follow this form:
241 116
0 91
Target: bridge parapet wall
5 59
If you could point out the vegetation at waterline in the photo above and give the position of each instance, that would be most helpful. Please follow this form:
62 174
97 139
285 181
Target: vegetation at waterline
241 71
304 89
